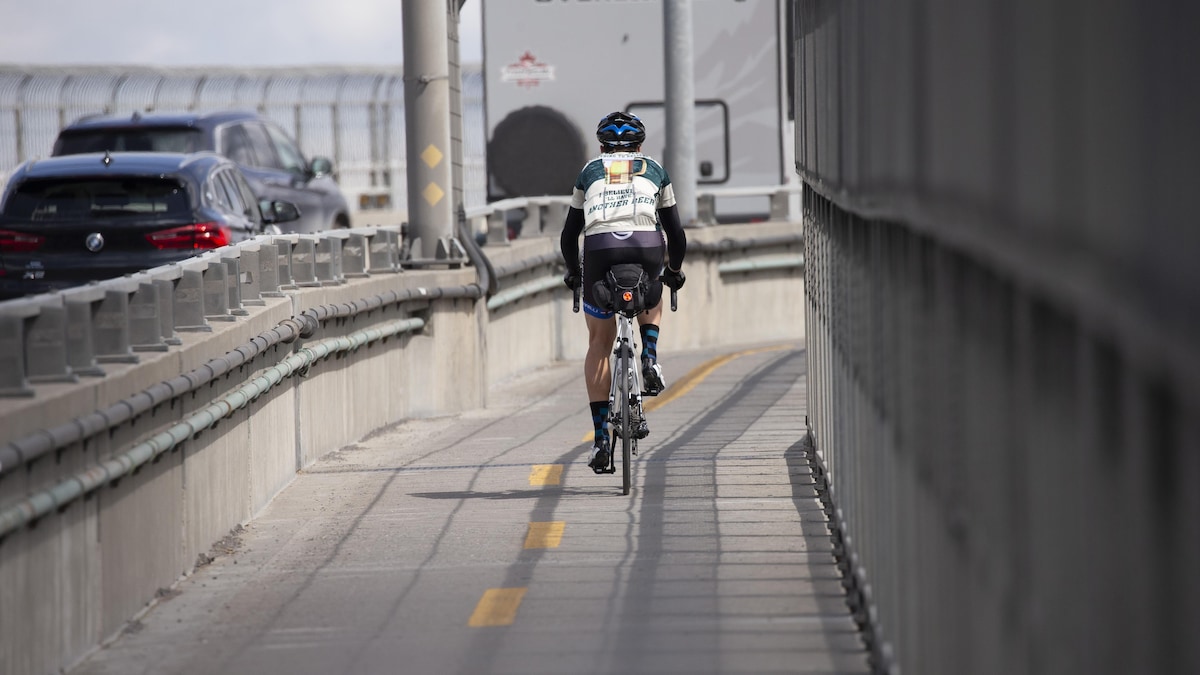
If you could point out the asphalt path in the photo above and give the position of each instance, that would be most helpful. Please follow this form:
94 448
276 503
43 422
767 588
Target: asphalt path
482 543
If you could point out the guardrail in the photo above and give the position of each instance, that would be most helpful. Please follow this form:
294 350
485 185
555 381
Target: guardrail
507 219
781 197
68 334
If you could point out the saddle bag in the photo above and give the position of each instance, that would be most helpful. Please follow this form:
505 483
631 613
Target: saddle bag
627 288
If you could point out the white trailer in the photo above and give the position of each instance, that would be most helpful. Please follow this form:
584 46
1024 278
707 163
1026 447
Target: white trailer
553 68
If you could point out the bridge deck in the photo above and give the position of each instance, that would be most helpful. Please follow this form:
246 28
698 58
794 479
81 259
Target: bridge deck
482 543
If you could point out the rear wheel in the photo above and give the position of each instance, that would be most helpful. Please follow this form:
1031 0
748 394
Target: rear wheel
626 418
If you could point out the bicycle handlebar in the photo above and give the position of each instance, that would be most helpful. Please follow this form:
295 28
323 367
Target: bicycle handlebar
674 300
578 292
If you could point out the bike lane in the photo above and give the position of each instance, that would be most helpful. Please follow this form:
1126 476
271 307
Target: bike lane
482 543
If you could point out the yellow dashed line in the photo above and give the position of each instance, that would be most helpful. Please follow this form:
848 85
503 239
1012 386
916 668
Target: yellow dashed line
697 375
497 607
546 474
545 535
693 378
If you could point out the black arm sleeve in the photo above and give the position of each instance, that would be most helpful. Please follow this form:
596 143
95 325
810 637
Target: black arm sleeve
569 242
676 239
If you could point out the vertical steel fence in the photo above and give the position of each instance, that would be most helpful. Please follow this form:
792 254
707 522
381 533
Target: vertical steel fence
354 116
1003 320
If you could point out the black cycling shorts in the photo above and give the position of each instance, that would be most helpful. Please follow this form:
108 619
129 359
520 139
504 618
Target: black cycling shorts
647 248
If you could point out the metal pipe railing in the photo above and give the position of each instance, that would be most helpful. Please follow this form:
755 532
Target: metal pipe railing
80 484
76 330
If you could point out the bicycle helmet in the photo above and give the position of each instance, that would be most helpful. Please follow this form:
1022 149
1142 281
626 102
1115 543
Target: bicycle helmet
620 130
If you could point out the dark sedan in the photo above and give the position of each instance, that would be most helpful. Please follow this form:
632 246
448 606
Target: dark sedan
65 221
270 159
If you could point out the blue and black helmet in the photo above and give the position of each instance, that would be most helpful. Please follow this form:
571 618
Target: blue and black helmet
620 130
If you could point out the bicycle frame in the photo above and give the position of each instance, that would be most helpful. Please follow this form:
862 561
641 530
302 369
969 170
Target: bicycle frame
625 395
625 390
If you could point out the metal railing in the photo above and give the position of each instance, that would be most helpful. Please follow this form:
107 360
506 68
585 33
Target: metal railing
68 334
507 219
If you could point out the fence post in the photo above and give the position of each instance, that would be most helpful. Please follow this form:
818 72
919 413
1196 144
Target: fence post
189 300
216 290
165 280
328 260
354 256
250 283
779 204
145 322
110 321
233 270
284 262
384 254
12 348
304 264
46 344
81 354
497 227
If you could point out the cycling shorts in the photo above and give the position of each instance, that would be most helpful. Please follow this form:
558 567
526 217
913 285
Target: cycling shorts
601 251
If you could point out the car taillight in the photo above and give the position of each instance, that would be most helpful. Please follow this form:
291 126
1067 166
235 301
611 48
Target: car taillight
199 235
19 242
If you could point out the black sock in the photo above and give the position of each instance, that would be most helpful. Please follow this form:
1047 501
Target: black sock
650 342
599 416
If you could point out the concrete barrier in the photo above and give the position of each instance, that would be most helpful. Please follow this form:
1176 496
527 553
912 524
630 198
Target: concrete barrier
279 359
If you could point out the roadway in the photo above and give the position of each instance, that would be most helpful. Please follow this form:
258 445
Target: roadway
482 543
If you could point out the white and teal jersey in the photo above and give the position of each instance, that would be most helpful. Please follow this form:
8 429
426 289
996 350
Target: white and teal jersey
622 192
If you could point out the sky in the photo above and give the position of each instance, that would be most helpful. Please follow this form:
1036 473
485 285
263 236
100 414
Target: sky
241 33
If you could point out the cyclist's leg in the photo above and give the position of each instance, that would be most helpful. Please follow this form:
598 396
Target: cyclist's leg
598 256
601 333
602 330
649 321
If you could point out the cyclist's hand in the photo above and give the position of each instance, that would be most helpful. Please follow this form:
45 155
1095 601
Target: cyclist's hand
673 279
571 279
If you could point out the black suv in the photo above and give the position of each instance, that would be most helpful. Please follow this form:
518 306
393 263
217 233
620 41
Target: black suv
269 158
65 221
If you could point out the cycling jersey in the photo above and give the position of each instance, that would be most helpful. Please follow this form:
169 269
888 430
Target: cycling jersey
622 192
627 198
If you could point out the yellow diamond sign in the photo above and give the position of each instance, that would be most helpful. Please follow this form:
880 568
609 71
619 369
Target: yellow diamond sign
433 194
431 156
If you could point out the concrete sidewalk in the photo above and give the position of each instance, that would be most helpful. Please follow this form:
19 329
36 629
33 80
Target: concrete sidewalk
482 543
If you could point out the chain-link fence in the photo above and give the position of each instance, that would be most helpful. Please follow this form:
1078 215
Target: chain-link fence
1003 321
354 116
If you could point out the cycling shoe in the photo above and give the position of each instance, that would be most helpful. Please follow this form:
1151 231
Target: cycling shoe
652 378
601 459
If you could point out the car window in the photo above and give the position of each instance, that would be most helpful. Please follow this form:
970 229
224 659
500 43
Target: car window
289 155
264 150
84 199
225 195
253 212
236 145
163 139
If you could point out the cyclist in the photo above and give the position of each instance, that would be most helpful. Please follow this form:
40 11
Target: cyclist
624 206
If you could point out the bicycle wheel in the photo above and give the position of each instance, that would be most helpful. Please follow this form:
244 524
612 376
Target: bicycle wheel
626 418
